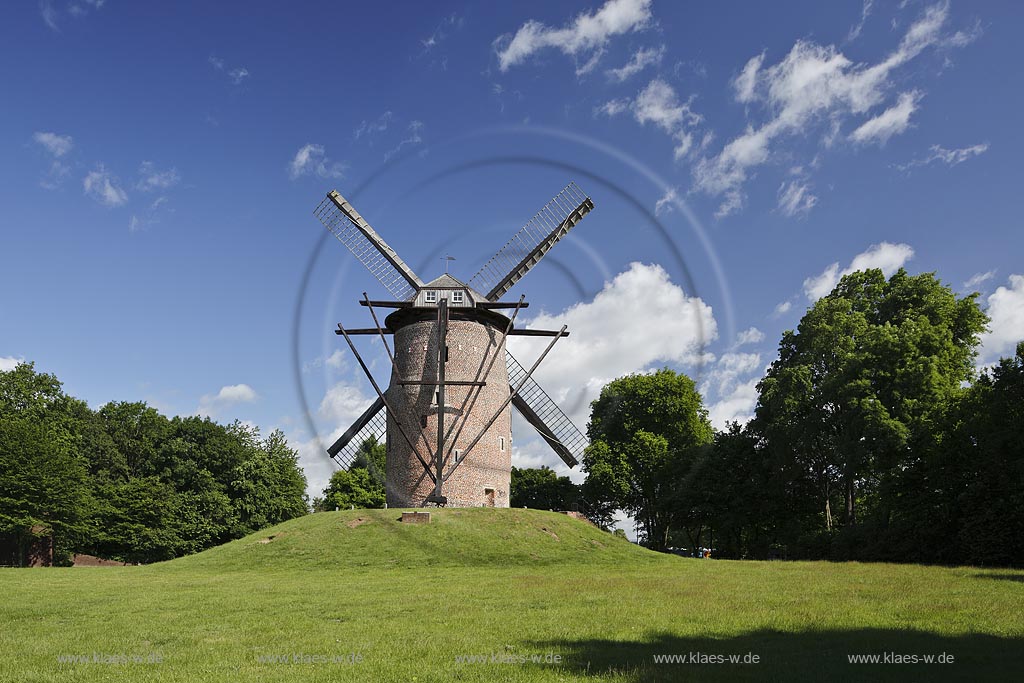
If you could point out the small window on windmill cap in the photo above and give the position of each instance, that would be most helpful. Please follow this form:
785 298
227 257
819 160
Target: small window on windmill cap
431 296
457 296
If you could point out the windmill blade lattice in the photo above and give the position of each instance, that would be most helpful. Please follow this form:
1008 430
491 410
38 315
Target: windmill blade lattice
528 246
372 423
546 417
345 223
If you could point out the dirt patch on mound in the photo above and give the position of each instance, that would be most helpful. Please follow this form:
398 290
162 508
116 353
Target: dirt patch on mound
353 523
93 561
550 533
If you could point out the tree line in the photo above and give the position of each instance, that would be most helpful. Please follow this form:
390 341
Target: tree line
127 483
874 438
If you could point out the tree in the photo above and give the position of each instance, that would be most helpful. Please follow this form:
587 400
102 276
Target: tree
43 485
645 432
361 485
858 386
542 489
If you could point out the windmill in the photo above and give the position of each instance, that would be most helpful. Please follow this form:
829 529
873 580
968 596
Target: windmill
446 417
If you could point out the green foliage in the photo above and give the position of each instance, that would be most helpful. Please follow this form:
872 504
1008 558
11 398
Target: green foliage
127 483
645 434
542 489
361 485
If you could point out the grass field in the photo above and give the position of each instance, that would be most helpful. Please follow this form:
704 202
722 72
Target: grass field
407 600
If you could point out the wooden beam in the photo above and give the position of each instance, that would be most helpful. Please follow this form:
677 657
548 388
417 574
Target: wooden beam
537 333
501 304
457 383
365 330
387 304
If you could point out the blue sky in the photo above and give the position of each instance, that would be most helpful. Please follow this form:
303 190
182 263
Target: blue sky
161 163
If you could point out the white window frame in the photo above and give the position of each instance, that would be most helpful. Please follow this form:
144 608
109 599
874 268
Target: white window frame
457 296
430 296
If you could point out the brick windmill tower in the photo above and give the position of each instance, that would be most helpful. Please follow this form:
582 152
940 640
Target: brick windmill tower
446 416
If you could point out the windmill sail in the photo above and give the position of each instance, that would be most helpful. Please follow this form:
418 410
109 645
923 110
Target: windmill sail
528 246
372 423
545 416
345 223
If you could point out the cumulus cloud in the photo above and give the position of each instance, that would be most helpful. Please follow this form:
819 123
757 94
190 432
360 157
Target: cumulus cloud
657 103
103 187
886 256
810 85
585 37
612 335
751 335
1006 328
311 160
737 406
211 404
782 309
730 388
641 59
343 403
8 363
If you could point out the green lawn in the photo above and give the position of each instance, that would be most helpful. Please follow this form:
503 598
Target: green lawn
505 584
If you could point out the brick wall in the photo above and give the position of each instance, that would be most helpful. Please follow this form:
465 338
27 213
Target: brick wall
484 476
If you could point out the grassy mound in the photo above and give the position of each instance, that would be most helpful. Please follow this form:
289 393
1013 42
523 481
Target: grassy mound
467 537
498 595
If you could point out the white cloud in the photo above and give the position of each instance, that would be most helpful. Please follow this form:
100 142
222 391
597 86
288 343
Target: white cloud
584 37
949 157
104 188
1006 328
856 29
751 335
782 309
641 59
611 336
659 104
343 403
49 14
8 363
150 178
813 84
887 256
613 107
337 360
311 159
746 80
415 127
56 145
978 278
666 203
370 128
211 404
236 74
892 121
737 406
795 198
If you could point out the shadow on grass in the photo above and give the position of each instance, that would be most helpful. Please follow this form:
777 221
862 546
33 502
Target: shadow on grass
1019 578
803 656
